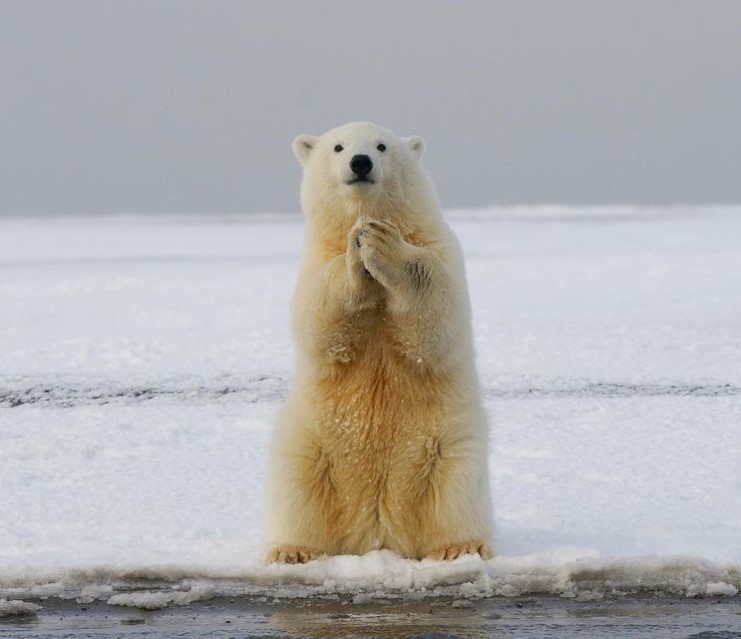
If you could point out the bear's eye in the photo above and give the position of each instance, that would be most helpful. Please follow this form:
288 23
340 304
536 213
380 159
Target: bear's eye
337 148
381 147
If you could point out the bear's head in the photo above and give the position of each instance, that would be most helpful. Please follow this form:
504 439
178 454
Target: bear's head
360 168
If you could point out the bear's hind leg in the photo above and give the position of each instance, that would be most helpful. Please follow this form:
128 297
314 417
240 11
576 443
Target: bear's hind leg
452 515
303 512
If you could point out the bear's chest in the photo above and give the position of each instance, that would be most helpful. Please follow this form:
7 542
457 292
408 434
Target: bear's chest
380 396
373 338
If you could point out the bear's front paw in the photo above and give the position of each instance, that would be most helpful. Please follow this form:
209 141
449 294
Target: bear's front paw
354 242
294 555
448 553
382 235
381 248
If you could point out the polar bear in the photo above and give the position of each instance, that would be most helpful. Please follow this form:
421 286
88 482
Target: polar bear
383 440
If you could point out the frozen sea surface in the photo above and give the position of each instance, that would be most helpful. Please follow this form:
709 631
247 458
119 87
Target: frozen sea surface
143 361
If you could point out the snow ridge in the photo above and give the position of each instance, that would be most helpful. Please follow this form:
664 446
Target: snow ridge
68 393
618 389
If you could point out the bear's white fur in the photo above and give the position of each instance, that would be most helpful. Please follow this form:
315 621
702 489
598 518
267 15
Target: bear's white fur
382 443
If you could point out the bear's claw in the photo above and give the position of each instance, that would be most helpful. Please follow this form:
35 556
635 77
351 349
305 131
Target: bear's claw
448 553
294 555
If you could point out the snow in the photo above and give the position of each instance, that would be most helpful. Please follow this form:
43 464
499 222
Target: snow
143 361
15 608
148 600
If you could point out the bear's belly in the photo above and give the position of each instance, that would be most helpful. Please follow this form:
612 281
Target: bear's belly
380 426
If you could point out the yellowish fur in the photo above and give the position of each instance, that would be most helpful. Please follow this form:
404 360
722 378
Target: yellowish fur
382 443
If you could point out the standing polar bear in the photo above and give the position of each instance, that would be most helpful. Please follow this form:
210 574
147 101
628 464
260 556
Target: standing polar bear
382 443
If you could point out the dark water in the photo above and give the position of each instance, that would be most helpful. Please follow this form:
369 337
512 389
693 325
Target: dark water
554 618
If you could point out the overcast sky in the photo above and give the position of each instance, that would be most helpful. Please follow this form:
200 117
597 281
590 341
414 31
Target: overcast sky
175 105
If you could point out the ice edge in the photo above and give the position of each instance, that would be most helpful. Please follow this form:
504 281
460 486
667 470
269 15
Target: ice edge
381 575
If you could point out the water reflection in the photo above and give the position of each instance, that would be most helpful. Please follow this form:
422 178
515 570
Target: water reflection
383 619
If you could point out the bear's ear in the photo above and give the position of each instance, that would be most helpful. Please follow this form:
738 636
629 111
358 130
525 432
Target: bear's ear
416 145
303 145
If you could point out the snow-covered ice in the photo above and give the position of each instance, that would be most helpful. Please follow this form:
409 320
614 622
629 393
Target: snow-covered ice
16 608
143 361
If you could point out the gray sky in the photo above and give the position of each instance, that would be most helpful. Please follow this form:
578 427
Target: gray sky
183 105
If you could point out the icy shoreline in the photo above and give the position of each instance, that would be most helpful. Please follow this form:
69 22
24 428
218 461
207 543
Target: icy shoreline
380 575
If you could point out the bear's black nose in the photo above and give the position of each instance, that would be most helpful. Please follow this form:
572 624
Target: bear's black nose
361 165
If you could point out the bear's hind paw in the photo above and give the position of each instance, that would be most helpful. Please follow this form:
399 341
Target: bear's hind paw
448 553
294 555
